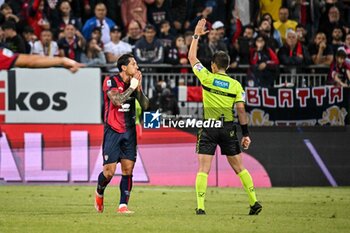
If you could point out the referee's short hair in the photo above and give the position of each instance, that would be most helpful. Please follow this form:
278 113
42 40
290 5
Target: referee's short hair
124 60
221 59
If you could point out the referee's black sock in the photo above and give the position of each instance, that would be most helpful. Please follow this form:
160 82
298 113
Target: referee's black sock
125 188
102 183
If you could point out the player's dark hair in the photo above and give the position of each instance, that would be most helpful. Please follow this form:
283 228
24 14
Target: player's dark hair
124 60
221 59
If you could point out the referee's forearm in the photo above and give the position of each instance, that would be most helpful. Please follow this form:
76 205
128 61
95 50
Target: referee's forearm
192 53
242 116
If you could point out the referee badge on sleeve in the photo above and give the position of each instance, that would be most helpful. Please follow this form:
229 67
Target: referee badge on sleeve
243 95
198 66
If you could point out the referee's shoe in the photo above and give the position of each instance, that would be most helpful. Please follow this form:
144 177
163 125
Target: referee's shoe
255 209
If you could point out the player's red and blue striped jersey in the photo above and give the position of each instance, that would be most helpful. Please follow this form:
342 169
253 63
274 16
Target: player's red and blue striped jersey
119 118
7 59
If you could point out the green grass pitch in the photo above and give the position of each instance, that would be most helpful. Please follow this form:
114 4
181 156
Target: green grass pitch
171 209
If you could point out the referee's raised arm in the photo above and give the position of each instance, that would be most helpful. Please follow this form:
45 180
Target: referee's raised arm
198 31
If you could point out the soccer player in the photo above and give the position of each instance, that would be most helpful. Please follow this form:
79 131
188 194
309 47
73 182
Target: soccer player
220 94
8 59
119 142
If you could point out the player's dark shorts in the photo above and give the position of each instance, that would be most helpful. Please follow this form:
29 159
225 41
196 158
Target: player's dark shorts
225 137
117 146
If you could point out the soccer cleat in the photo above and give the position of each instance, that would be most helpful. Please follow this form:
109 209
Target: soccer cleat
200 212
98 202
255 209
124 210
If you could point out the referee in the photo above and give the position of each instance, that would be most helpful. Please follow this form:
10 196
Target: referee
220 94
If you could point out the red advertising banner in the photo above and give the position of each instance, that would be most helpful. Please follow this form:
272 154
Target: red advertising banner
72 154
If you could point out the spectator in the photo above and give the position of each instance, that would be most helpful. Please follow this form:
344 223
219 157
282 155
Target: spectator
72 44
115 48
306 12
265 29
337 39
65 17
99 20
188 38
244 44
347 47
157 13
248 11
29 39
333 20
135 10
302 35
221 32
163 100
166 36
134 33
46 46
149 49
12 40
208 49
93 54
263 61
321 53
177 53
37 18
276 34
293 53
339 74
271 7
283 24
97 35
7 14
180 11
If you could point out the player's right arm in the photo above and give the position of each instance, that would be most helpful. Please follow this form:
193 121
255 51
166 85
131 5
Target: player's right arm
198 31
37 61
198 69
118 98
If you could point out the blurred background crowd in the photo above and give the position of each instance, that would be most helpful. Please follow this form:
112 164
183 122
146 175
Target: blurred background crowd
261 34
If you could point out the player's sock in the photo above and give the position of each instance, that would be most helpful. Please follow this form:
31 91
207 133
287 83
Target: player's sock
201 188
125 189
102 183
248 185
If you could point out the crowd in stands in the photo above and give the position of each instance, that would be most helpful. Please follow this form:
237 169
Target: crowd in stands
260 33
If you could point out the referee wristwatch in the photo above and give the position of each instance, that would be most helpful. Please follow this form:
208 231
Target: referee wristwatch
196 37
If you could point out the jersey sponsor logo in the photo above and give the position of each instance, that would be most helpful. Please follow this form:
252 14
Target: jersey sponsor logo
198 66
109 83
221 83
124 108
7 52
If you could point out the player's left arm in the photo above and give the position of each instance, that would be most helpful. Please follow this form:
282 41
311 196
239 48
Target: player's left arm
243 121
140 96
242 116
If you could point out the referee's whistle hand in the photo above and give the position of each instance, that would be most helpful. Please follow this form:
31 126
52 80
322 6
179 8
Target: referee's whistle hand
245 142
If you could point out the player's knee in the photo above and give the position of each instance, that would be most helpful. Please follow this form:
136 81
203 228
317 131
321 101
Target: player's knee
127 171
108 172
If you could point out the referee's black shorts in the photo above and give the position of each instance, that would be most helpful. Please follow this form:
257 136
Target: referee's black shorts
225 137
117 146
